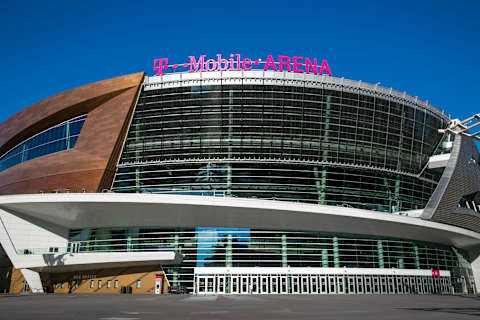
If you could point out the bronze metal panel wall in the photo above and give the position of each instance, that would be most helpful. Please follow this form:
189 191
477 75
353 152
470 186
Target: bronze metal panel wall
91 163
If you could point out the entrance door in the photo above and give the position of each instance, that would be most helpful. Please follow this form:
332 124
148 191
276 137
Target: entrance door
295 284
413 285
254 284
391 284
210 285
283 284
264 284
436 285
201 284
323 285
234 285
376 284
368 284
383 284
305 284
359 280
341 284
313 284
332 285
351 284
244 284
419 285
444 283
399 281
221 284
426 285
274 284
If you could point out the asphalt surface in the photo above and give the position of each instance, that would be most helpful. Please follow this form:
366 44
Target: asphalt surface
134 307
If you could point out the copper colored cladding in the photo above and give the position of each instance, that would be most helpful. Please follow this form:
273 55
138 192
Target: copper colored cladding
91 164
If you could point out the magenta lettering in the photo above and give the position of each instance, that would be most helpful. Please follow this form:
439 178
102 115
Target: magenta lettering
158 64
325 67
235 62
297 64
220 61
308 65
238 63
211 65
270 63
194 65
247 64
283 61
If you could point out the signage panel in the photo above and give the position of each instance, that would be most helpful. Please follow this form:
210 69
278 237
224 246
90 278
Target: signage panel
235 62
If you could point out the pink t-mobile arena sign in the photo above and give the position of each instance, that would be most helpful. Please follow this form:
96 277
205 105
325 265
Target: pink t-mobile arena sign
235 62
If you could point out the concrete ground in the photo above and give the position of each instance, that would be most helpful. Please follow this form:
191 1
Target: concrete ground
134 307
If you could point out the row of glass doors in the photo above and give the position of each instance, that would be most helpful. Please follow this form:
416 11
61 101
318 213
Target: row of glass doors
320 284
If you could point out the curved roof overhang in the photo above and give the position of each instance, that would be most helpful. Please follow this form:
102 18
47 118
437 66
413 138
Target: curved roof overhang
95 210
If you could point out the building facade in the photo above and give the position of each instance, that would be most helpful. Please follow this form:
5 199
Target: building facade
238 182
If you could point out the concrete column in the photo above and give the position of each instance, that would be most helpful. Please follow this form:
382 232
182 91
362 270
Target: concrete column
324 258
336 258
176 245
137 180
33 280
396 196
229 179
417 259
284 251
100 235
228 251
381 263
325 147
132 233
320 183
475 264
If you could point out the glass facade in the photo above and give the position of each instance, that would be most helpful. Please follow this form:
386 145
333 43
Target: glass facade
313 145
57 138
222 247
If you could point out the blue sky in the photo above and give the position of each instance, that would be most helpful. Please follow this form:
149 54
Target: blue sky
428 48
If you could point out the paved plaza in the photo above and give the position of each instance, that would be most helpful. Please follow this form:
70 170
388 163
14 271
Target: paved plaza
134 307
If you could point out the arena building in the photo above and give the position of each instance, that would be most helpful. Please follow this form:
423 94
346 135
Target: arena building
239 182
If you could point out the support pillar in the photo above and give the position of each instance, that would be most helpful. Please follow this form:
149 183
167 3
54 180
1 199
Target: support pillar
320 183
229 180
228 251
475 265
324 258
336 259
33 280
396 196
381 263
417 259
284 251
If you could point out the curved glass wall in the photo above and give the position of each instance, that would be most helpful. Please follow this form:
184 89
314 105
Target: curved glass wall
222 247
57 138
281 142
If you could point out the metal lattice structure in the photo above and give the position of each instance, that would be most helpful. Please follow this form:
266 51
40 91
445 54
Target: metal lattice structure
463 127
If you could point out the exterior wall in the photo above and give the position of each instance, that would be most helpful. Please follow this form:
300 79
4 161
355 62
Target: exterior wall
125 277
406 130
6 270
460 178
17 282
91 164
270 136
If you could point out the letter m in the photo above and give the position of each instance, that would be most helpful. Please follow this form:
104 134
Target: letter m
195 65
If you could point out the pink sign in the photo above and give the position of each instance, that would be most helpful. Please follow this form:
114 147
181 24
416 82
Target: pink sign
236 62
435 273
